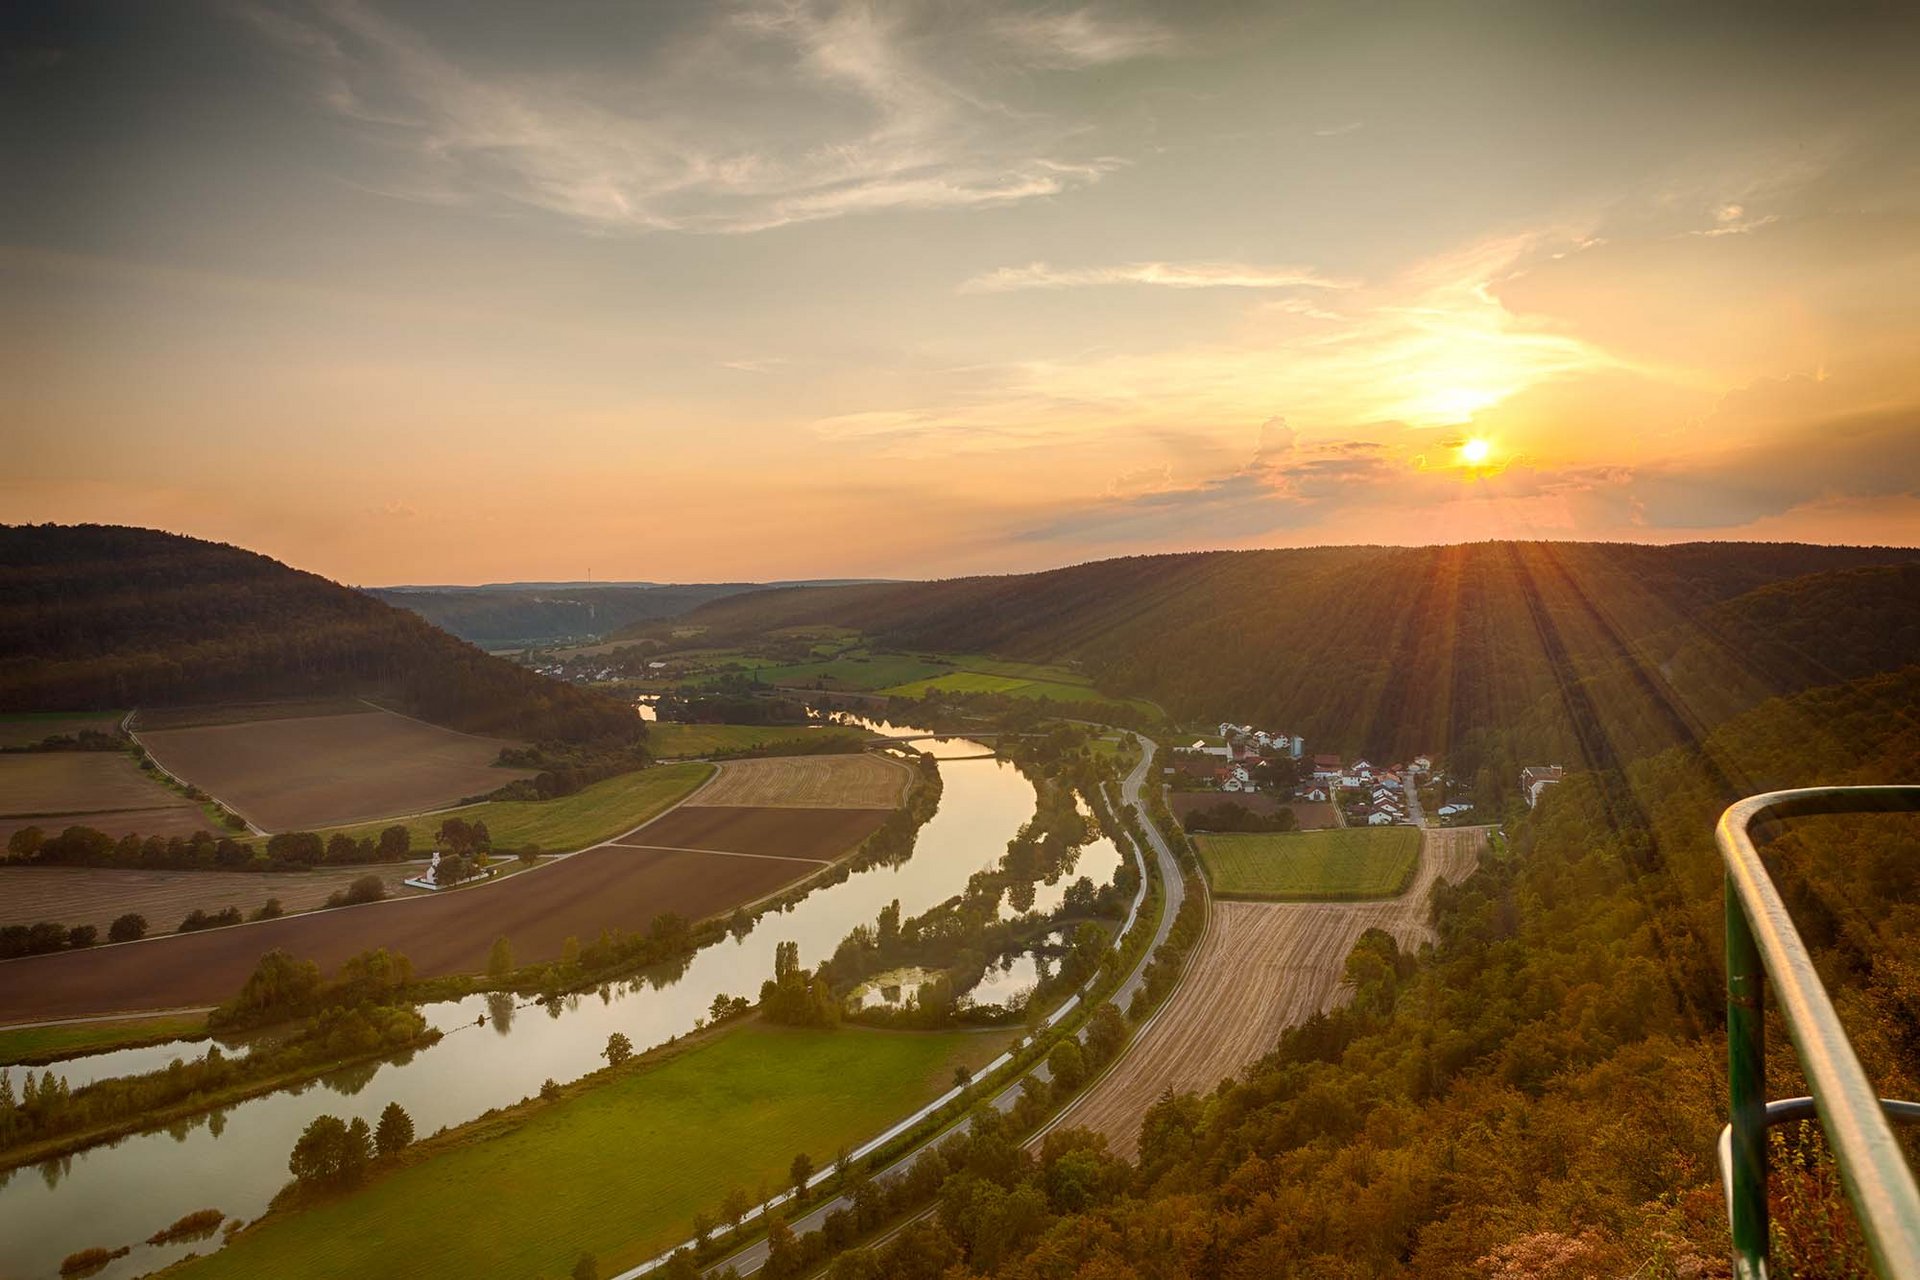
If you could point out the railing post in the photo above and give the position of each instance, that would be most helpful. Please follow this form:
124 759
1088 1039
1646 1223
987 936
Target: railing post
1746 1092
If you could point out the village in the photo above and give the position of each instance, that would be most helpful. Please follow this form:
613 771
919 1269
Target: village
1244 778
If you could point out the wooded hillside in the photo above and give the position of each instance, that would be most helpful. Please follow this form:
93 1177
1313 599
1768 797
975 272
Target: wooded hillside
1578 652
95 616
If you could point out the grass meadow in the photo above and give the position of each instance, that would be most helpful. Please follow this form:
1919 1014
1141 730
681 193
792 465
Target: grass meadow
617 1168
1343 864
596 813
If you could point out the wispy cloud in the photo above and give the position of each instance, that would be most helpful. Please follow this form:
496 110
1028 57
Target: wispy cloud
762 115
1082 38
1167 275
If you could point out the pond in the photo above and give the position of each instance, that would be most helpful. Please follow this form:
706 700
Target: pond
235 1160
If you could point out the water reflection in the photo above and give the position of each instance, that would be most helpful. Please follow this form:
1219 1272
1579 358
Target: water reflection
120 1193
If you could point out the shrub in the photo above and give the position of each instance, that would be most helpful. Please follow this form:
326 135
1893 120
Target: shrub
365 889
83 935
130 927
88 1261
201 1222
269 910
197 920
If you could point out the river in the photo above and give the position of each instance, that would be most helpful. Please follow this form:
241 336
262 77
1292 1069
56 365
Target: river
236 1159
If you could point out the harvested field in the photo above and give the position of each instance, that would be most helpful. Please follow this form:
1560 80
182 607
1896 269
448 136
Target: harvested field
607 887
103 789
864 781
814 835
96 895
1262 967
741 855
1345 864
304 772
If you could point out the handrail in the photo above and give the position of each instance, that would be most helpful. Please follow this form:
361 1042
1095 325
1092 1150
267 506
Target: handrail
1762 943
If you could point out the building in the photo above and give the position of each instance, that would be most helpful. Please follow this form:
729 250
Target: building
1536 778
1326 768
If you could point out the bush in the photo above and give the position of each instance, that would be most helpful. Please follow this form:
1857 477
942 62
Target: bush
201 1222
88 1261
269 910
364 889
130 927
197 920
83 935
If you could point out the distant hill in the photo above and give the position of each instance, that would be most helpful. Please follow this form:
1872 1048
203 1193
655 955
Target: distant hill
1585 653
506 614
95 616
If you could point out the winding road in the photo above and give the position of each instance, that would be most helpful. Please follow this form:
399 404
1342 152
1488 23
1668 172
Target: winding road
754 1256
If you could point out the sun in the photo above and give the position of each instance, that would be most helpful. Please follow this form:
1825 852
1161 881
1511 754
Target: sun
1476 452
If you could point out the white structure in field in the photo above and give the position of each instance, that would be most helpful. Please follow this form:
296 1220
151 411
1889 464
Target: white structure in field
1536 778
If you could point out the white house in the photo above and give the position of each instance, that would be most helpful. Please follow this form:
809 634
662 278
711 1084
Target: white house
1380 819
1449 810
1536 778
1422 764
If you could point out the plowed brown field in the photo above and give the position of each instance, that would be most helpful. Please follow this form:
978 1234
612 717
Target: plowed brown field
105 790
695 861
95 895
1262 967
308 772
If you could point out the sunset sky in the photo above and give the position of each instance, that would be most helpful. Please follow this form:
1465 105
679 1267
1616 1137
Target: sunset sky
444 292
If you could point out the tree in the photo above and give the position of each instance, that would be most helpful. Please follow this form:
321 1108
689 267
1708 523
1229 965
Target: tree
962 1077
500 959
356 1151
26 842
528 854
83 935
799 1172
331 1151
395 1131
396 842
588 1268
1067 1066
570 953
130 927
618 1049
734 1206
1106 1032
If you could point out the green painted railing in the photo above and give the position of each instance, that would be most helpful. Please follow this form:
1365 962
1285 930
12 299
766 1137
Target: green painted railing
1763 946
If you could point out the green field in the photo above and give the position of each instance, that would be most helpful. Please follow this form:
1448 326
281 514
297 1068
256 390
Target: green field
572 822
668 739
618 1169
856 669
43 1044
1304 866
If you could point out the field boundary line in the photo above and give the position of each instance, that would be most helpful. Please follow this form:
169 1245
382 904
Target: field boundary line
1139 1032
252 826
724 853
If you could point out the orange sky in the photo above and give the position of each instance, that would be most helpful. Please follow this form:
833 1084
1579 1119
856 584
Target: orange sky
790 290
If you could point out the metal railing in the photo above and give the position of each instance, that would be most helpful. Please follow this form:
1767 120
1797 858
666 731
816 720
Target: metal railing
1763 945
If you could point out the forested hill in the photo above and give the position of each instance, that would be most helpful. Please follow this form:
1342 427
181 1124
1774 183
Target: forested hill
1583 652
1540 1095
99 616
510 614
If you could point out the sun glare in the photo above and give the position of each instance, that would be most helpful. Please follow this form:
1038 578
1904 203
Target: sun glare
1476 452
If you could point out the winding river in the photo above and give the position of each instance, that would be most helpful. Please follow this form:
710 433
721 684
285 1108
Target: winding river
235 1160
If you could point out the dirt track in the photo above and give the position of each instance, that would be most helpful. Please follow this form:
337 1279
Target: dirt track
611 886
1262 968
